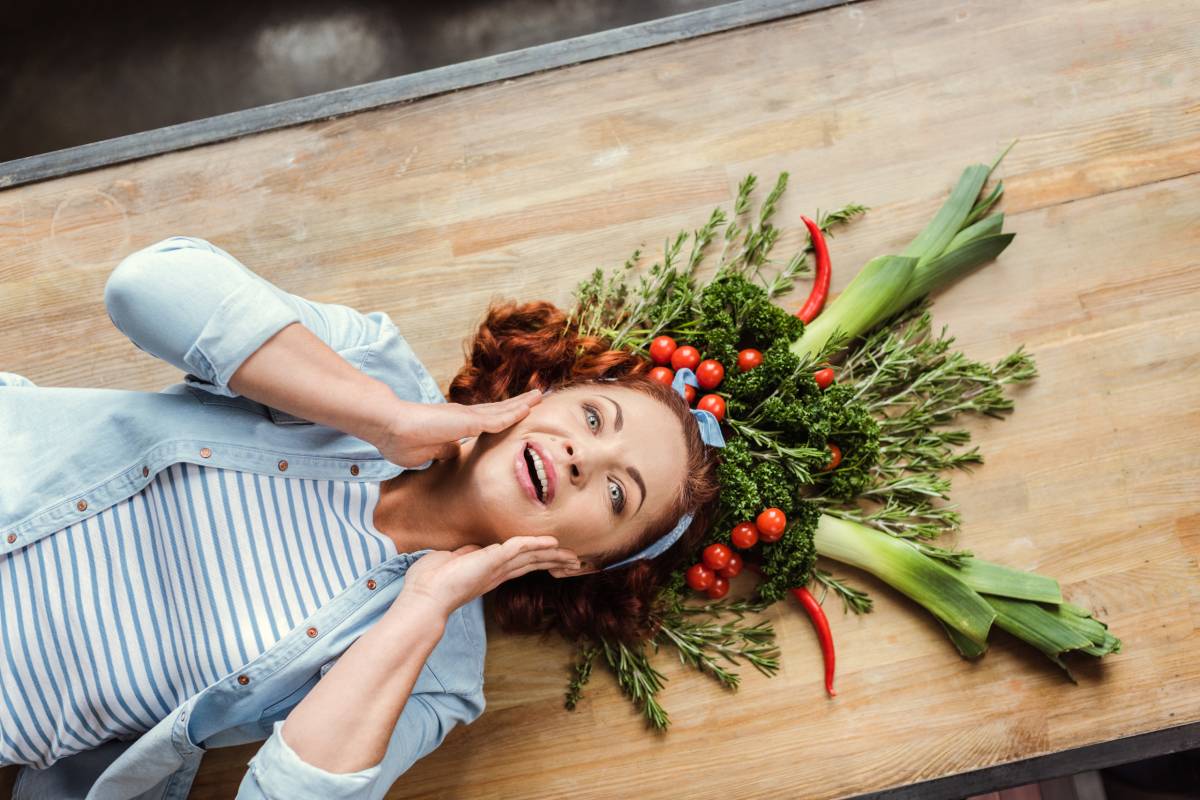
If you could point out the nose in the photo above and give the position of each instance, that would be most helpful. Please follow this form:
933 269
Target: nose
571 460
577 460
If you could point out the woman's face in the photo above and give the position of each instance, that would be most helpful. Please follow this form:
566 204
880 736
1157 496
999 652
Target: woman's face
614 458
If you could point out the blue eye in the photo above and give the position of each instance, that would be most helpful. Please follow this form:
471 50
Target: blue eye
618 496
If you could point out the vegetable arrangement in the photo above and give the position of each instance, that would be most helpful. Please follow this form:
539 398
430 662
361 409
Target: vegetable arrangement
837 418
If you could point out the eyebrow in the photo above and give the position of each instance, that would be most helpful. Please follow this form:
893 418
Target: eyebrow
633 471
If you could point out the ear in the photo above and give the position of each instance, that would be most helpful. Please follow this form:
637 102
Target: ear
568 572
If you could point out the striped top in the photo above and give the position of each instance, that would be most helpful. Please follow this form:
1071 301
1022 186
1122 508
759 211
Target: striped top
109 624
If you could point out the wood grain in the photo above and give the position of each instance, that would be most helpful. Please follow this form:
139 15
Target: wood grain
519 189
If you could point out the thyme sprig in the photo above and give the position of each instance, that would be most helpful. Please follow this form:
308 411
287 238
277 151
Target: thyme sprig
664 300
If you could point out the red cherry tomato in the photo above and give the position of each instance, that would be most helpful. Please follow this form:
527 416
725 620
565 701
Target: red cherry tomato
771 524
748 359
823 377
689 392
719 588
713 404
835 457
699 577
709 373
716 556
662 375
731 569
744 535
661 349
685 356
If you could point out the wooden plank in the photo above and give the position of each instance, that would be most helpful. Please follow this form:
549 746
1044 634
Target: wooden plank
519 190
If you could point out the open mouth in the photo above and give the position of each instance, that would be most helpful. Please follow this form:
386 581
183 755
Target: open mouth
537 473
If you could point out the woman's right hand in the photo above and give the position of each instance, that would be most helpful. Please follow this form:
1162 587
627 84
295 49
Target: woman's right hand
417 432
450 579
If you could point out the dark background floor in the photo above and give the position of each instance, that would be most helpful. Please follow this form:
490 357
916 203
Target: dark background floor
74 72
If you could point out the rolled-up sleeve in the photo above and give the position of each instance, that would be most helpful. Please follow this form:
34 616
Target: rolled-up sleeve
195 306
276 772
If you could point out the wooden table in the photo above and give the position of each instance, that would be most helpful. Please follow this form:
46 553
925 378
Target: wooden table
519 189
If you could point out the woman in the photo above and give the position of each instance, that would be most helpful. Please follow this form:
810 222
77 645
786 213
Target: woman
295 542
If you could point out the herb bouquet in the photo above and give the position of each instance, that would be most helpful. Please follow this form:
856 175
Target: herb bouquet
839 431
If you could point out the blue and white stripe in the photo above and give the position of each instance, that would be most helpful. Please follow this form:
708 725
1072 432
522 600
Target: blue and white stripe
109 624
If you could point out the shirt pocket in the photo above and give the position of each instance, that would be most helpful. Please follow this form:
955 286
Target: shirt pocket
280 709
284 418
240 403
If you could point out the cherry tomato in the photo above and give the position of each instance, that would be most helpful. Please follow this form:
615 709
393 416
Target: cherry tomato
661 349
689 392
731 569
748 359
686 356
714 404
835 457
699 577
709 373
771 524
744 535
823 377
716 556
663 375
719 588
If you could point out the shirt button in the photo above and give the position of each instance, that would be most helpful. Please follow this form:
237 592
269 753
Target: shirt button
312 633
371 584
354 469
205 452
243 679
145 471
81 505
283 466
12 537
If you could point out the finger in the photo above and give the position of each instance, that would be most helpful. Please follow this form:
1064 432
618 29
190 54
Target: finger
532 396
496 421
535 565
555 557
527 542
519 403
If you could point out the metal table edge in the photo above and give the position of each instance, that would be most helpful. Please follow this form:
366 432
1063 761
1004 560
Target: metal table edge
403 88
1097 755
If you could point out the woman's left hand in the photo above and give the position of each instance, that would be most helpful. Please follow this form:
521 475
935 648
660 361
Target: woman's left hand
421 431
449 578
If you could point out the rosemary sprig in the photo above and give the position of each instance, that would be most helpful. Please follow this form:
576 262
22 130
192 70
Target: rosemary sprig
701 643
583 672
639 680
853 599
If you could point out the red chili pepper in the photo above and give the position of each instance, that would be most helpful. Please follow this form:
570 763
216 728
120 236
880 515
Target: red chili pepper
820 622
822 625
820 290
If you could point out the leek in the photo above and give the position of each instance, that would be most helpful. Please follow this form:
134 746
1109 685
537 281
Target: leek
904 568
969 597
959 238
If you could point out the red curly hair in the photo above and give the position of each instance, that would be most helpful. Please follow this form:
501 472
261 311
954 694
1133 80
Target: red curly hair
519 347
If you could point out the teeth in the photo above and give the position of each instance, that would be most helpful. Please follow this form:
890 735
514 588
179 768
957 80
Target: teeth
541 472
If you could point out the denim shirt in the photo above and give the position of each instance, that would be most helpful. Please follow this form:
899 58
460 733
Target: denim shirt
72 452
